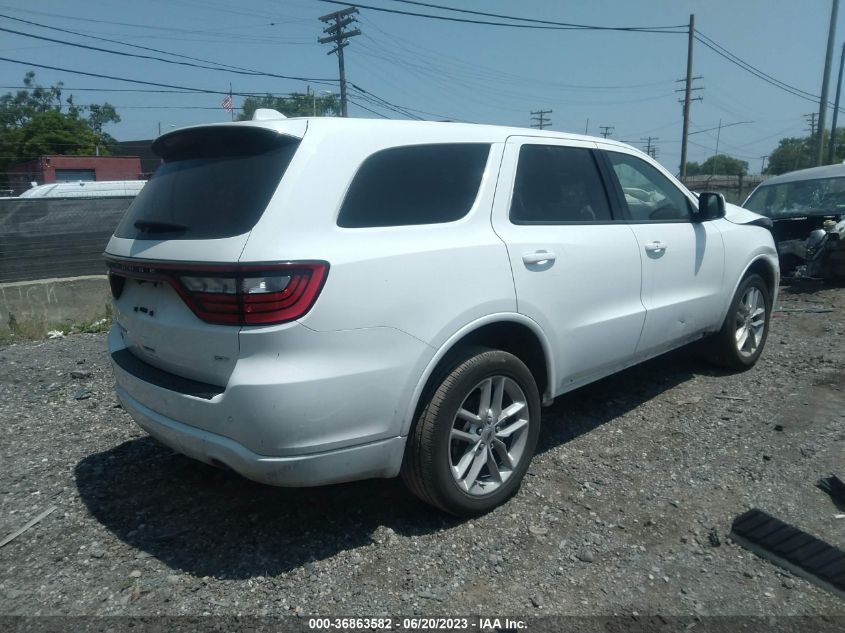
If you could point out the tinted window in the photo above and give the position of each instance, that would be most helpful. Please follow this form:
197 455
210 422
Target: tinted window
558 184
417 184
650 196
214 183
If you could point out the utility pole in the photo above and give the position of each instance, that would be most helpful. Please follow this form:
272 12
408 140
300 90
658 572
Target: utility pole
687 96
831 146
716 155
649 148
606 130
587 127
834 9
338 21
539 120
811 121
763 164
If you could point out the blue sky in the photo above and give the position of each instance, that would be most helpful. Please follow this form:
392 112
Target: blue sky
470 72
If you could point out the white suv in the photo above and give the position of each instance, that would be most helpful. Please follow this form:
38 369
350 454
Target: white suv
310 301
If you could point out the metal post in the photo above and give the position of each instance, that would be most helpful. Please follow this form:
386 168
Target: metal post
687 94
831 146
825 82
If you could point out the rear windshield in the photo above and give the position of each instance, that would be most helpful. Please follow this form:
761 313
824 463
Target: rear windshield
822 196
213 183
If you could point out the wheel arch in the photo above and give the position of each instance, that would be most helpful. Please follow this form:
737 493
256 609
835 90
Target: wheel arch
510 332
764 266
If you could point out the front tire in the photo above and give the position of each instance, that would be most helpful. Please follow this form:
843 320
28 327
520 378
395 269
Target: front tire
740 342
475 437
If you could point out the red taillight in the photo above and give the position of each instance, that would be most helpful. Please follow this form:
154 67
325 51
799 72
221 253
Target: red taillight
251 294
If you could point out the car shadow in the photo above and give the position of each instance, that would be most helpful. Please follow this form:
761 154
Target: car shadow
211 522
798 286
583 410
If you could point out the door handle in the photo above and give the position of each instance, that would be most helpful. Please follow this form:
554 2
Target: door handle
538 257
655 247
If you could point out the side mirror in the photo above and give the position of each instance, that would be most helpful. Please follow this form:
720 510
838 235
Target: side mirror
711 206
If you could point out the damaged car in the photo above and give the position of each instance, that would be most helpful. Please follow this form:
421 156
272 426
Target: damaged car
807 209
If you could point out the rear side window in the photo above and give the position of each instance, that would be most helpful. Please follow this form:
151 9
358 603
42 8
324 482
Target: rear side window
214 183
415 184
556 185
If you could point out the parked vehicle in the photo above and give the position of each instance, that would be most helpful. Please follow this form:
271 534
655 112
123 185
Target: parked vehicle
807 209
311 301
86 189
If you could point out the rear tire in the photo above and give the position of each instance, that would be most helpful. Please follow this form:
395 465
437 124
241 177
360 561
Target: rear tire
475 436
740 342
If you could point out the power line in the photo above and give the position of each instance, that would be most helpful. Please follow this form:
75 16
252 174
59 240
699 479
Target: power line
723 52
369 95
363 107
161 59
145 91
550 22
112 77
388 104
505 24
105 39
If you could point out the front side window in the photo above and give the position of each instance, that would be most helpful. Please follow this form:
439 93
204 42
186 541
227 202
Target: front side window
649 195
556 184
415 184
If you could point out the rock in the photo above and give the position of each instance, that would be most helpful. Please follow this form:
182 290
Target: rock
713 538
586 555
310 566
80 374
135 573
97 552
426 594
82 394
173 579
537 601
537 531
789 583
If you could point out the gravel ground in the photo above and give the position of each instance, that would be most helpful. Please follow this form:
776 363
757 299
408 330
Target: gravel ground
627 506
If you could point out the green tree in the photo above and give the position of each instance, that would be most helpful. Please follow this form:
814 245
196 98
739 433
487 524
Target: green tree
800 152
693 169
36 121
724 165
791 153
297 104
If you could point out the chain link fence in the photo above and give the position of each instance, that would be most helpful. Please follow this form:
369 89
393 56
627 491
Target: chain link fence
41 238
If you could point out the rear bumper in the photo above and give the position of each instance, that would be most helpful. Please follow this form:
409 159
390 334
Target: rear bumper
376 459
300 408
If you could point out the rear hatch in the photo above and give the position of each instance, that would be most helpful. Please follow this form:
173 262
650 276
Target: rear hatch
179 293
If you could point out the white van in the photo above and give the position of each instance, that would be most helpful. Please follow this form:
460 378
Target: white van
86 189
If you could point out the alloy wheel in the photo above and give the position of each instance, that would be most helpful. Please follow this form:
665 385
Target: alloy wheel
488 435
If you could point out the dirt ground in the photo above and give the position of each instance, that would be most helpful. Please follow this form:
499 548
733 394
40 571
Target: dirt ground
626 509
